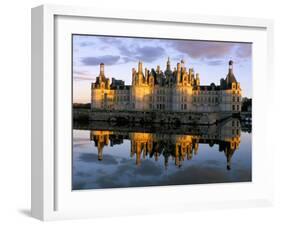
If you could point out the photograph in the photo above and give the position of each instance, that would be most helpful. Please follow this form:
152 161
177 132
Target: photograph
152 111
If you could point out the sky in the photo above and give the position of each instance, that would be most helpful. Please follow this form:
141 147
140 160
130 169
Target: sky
121 54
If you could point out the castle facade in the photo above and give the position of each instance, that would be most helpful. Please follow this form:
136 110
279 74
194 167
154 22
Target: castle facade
176 90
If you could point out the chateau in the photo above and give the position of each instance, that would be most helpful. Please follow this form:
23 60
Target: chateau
177 90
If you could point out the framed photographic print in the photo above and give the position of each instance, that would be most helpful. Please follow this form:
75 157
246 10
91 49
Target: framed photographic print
138 112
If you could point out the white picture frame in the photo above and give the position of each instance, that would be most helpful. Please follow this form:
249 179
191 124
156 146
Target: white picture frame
50 187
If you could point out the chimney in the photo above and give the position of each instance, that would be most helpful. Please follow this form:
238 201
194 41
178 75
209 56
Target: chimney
140 67
102 69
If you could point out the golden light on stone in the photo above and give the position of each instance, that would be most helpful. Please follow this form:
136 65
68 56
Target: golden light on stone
157 90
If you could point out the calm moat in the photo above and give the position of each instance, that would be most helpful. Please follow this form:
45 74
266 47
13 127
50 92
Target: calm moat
115 156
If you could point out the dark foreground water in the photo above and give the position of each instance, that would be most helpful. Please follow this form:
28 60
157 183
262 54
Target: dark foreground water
111 156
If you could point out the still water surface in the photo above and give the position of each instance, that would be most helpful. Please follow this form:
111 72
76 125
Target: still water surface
129 156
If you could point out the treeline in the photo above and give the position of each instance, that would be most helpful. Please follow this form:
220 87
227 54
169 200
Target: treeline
81 106
246 105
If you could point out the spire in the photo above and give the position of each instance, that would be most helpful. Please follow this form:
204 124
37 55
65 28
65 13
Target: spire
230 67
182 63
168 64
140 67
230 78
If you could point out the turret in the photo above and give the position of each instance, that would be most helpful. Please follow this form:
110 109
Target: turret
168 67
197 79
146 75
182 64
133 76
100 148
178 72
189 73
230 78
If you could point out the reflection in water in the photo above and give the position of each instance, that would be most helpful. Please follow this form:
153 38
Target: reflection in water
126 156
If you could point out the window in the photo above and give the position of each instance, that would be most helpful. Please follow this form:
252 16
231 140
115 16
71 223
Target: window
238 99
233 107
237 107
233 99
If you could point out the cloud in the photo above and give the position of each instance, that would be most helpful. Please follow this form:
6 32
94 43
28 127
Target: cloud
244 50
111 40
150 53
143 53
81 76
86 44
215 62
106 59
93 158
203 49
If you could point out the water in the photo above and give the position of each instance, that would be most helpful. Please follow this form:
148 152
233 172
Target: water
117 156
